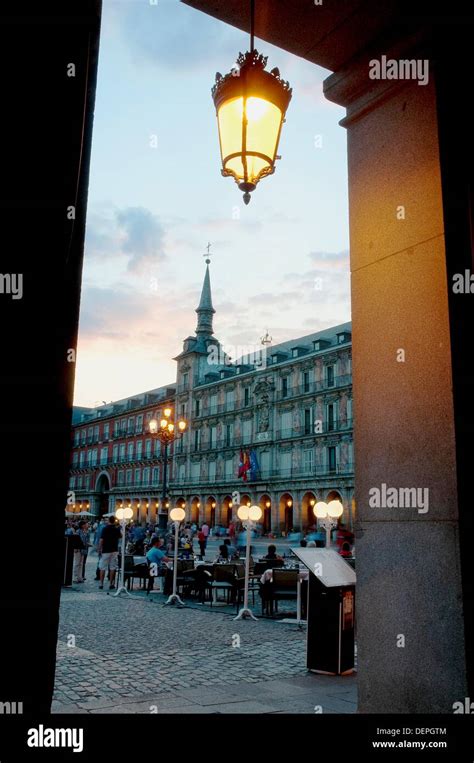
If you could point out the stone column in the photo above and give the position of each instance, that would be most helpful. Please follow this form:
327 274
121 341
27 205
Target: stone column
409 596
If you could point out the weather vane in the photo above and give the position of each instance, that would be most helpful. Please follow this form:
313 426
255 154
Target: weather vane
267 339
208 254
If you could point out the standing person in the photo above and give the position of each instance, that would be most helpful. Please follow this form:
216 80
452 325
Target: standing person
205 530
78 548
202 540
84 535
97 536
108 550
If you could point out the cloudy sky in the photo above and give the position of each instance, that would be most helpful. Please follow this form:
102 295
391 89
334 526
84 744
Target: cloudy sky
157 197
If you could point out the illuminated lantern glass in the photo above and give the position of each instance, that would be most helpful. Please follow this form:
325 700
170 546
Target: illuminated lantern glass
320 510
255 513
153 425
335 509
177 514
243 513
251 104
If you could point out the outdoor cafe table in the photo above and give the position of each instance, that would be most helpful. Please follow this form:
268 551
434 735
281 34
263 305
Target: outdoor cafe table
267 577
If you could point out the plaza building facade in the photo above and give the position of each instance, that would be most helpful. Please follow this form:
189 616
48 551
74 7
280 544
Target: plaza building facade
272 427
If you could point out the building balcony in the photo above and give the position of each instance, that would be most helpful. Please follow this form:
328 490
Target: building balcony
322 385
273 475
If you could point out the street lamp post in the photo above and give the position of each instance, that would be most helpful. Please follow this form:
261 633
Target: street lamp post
248 514
177 515
123 515
328 515
166 432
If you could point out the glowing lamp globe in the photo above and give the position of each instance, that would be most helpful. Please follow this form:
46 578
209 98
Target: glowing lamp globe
177 514
320 510
243 513
335 509
251 104
255 513
153 426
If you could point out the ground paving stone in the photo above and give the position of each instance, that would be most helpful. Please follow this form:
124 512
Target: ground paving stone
132 653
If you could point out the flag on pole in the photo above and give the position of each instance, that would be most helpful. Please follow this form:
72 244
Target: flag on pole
244 465
254 466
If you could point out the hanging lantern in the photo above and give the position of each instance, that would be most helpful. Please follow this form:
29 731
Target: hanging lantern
251 104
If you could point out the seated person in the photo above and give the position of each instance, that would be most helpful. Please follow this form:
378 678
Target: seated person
230 548
271 553
156 555
223 555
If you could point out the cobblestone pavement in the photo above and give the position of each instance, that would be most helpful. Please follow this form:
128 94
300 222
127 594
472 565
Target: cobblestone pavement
134 655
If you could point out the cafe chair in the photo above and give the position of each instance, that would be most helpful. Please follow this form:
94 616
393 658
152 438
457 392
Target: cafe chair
284 586
224 579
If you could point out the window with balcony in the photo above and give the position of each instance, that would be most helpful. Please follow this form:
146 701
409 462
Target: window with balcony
94 457
195 471
89 458
106 432
305 381
246 396
130 451
76 438
122 452
185 381
265 463
308 420
83 436
146 475
286 421
247 431
96 434
79 482
138 474
229 435
82 456
90 434
330 376
148 448
229 468
213 437
308 461
212 471
284 387
131 425
116 428
128 476
155 475
87 482
104 455
229 400
197 439
72 482
121 477
139 445
115 454
197 407
75 459
331 459
331 417
157 450
139 424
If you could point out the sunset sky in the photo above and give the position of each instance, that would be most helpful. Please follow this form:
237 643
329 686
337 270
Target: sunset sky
281 263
